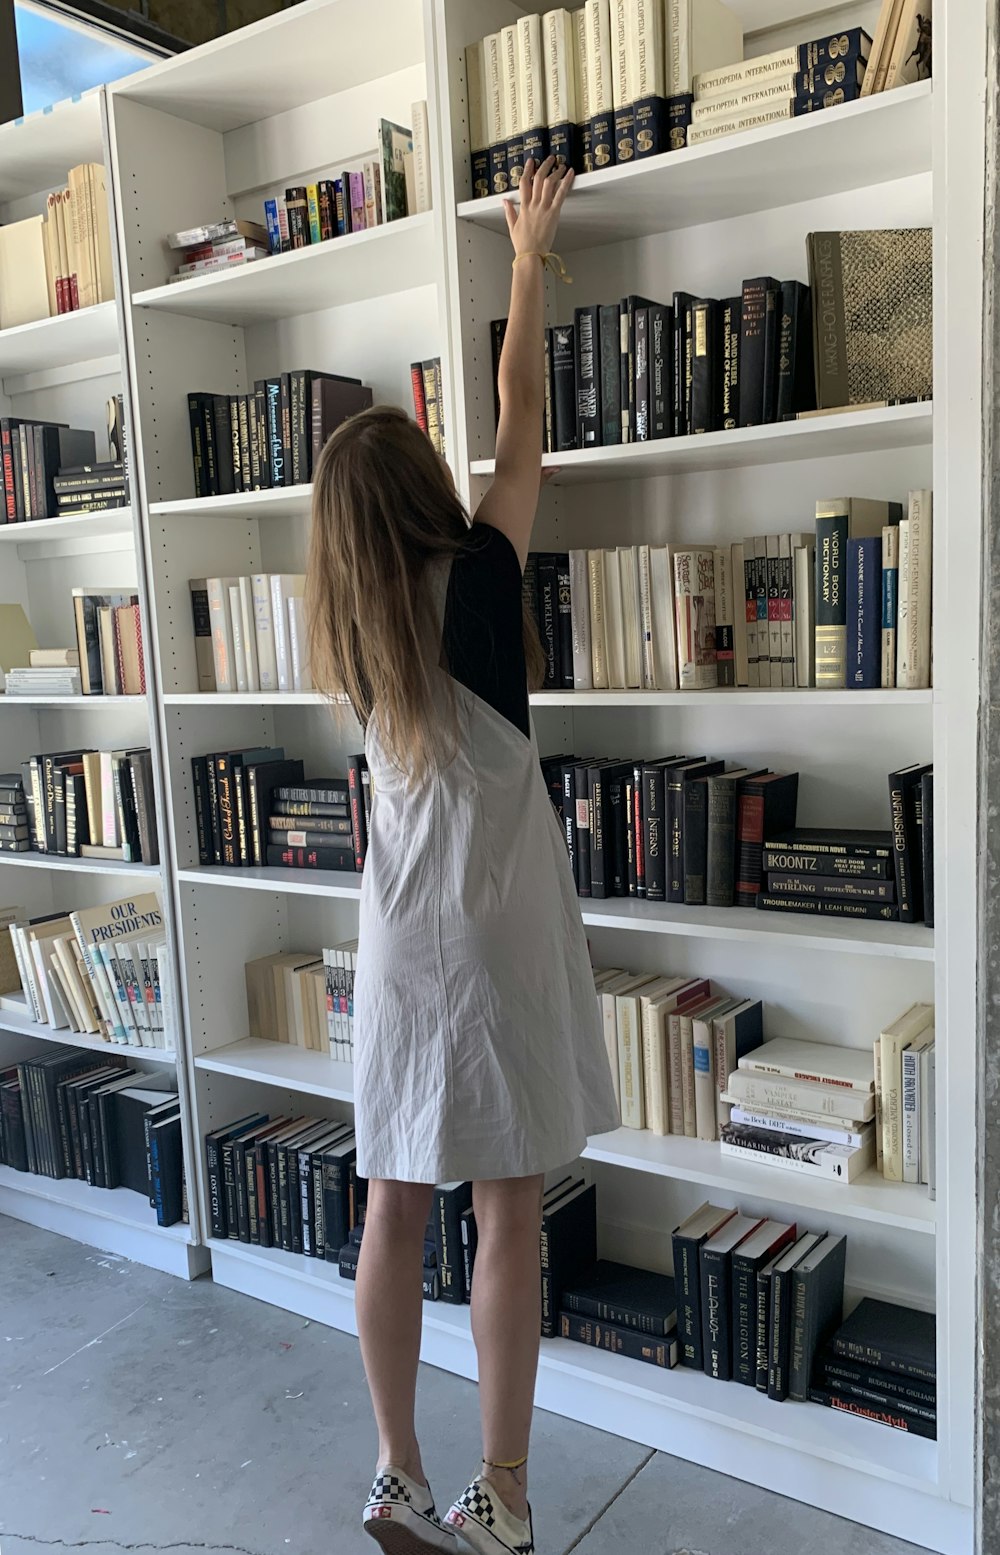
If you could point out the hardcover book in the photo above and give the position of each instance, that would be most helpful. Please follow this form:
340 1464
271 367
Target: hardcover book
637 1299
688 1240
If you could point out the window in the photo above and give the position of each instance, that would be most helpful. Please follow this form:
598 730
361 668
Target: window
61 55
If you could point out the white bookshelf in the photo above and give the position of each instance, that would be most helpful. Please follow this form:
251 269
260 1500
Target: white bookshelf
64 369
210 133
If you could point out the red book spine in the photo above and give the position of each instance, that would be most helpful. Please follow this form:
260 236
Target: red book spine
749 845
140 650
419 399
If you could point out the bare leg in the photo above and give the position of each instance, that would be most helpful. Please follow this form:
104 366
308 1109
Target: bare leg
506 1319
388 1304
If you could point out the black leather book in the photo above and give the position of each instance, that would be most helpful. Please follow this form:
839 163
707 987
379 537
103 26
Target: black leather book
682 310
890 1337
451 1200
706 366
638 1299
166 1168
769 1241
661 369
587 344
568 1246
694 841
688 1240
611 385
730 312
780 1315
720 889
564 386
772 325
337 1160
899 1419
677 777
581 800
15 1152
654 830
618 834
796 374
603 843
498 329
766 805
894 1387
764 1277
262 779
548 617
715 1274
643 427
753 326
817 1309
630 305
904 789
927 843
618 1340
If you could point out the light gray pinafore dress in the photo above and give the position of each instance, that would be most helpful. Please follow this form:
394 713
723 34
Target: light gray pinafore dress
478 1049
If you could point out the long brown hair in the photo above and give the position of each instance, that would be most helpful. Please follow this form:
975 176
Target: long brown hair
384 509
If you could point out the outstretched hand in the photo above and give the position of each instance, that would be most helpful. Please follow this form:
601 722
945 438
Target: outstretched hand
543 189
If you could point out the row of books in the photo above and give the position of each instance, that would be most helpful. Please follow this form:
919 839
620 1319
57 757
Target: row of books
250 633
50 469
862 874
287 1182
59 260
103 971
603 84
671 829
82 804
108 658
305 998
69 1114
428 401
271 437
847 607
256 807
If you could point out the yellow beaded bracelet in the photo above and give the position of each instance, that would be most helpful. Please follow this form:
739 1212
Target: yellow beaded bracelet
549 261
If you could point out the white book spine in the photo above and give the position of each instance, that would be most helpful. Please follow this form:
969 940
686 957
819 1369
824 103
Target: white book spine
560 72
694 603
118 995
239 651
495 89
803 605
600 73
165 991
706 1114
903 608
513 103
797 1130
532 72
579 589
830 1164
421 155
598 623
584 105
678 48
654 1068
298 644
926 1111
475 86
50 1015
630 1063
771 89
248 634
731 78
614 619
664 631
20 956
737 123
279 621
648 31
911 1116
725 626
879 1112
110 833
135 1029
609 1023
646 620
918 623
621 90
763 1092
931 1107
222 633
631 615
267 664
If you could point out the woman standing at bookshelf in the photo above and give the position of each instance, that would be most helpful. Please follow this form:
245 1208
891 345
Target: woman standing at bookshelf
479 1055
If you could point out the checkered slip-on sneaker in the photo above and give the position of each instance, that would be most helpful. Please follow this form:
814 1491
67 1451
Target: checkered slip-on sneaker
399 1515
480 1518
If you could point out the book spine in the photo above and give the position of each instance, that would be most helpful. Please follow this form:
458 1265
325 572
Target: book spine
705 396
914 648
600 81
565 634
831 602
715 1315
694 797
564 387
890 603
642 428
863 613
904 846
911 1102
753 327
661 345
725 630
655 834
580 621
778 1321
688 1289
829 907
588 377
721 885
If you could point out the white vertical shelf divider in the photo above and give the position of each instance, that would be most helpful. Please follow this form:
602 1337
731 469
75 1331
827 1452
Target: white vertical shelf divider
184 150
65 368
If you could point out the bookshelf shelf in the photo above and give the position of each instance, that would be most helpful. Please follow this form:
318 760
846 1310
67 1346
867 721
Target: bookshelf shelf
62 341
289 882
90 527
820 437
20 1025
115 1220
84 866
76 704
280 502
382 260
679 1411
877 140
846 700
314 1074
245 699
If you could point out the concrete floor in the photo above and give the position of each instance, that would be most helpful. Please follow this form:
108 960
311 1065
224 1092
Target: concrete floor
141 1413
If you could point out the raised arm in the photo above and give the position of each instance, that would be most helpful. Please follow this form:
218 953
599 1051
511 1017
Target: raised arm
511 501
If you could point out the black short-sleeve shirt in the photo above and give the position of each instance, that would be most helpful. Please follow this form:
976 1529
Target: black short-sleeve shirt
483 634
